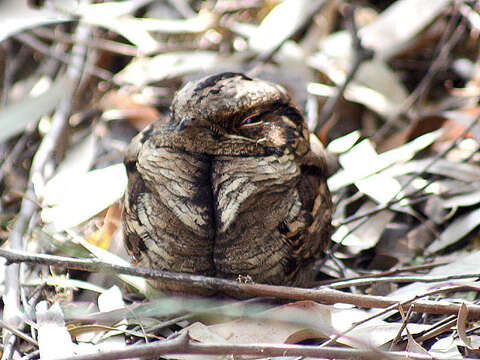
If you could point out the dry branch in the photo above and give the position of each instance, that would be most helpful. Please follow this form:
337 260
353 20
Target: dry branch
323 295
183 345
12 314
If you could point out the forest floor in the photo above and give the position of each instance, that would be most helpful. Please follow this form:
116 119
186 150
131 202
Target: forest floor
391 88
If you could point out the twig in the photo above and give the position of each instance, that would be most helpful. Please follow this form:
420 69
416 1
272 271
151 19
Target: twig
360 53
385 273
400 280
324 295
18 149
183 345
395 200
110 46
445 46
18 333
9 346
12 313
10 67
438 328
168 323
39 46
405 319
100 44
406 304
33 355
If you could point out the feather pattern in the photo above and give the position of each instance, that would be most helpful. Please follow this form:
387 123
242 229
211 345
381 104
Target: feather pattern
229 185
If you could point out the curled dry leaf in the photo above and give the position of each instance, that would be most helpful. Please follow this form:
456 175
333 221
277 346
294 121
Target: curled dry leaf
415 347
462 325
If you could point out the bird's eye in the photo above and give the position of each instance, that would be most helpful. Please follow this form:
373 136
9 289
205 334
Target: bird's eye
252 120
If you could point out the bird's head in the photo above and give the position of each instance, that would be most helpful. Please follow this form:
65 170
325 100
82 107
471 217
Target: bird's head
232 114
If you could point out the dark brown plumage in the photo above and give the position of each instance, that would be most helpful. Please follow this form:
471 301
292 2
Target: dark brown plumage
230 185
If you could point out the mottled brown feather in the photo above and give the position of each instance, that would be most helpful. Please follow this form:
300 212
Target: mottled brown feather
230 185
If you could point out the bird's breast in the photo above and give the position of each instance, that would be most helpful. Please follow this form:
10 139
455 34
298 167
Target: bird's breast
218 203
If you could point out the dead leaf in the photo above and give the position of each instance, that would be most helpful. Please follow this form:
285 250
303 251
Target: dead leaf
344 143
467 199
200 333
15 117
362 160
447 348
374 332
18 16
118 104
138 283
457 230
54 340
289 323
281 23
414 347
142 71
394 28
85 197
462 320
462 265
111 223
367 235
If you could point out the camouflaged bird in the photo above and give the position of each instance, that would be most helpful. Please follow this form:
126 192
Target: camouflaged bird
231 184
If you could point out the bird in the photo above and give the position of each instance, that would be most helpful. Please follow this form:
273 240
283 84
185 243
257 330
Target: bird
231 184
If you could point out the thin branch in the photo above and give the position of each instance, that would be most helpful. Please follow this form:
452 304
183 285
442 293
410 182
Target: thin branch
405 269
400 280
324 295
445 46
18 333
12 313
39 46
100 44
361 54
444 51
183 345
405 319
406 304
17 150
395 200
437 329
9 346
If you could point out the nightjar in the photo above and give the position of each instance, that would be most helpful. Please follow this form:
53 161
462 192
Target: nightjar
231 184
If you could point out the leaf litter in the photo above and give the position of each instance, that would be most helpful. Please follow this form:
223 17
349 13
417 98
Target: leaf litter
403 146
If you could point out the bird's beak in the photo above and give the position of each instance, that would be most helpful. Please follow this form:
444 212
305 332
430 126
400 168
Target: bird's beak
189 122
184 124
